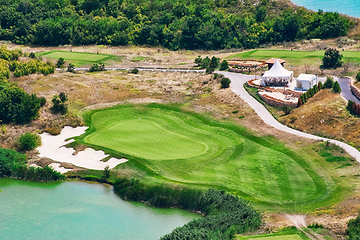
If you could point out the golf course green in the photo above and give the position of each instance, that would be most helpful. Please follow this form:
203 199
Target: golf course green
188 148
294 57
79 58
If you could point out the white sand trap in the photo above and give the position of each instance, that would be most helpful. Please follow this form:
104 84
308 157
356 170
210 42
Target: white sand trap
56 167
52 147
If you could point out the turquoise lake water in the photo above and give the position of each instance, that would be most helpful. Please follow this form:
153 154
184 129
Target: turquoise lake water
348 7
79 210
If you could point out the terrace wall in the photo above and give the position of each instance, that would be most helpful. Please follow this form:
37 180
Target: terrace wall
276 102
354 90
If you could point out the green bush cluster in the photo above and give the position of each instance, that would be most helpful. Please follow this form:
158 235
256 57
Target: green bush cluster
29 141
171 24
209 64
353 230
13 165
309 93
30 67
225 214
353 108
18 106
59 103
97 67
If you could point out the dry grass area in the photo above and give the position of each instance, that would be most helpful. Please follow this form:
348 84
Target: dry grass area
325 115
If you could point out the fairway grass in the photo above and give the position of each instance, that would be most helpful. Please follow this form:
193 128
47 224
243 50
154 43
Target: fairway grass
79 58
295 58
187 148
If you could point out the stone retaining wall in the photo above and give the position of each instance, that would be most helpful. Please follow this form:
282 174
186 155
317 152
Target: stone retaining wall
355 90
276 102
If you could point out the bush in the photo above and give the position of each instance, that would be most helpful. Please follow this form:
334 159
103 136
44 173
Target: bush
60 62
18 106
32 55
97 67
29 141
329 82
224 65
332 58
59 103
71 68
134 71
320 85
225 82
353 230
357 77
42 101
336 87
287 109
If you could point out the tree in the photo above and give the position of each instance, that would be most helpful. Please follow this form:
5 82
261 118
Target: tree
224 65
29 141
59 103
60 62
198 60
225 82
106 173
214 63
329 82
97 67
71 68
353 230
32 55
357 76
287 109
18 106
336 87
332 58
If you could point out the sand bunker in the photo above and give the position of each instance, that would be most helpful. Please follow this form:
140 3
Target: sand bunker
53 147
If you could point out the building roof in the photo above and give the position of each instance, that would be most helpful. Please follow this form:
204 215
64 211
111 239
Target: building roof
306 77
277 70
272 61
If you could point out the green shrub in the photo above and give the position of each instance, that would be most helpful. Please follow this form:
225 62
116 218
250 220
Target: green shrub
60 62
336 159
287 109
42 101
134 71
32 55
18 106
329 82
225 82
59 103
97 67
353 230
336 87
29 141
236 111
71 68
332 58
224 65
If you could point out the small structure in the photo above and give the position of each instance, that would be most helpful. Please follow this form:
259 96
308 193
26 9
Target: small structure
306 81
277 76
271 62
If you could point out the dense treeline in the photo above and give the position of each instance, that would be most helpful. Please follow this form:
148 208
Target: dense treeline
13 164
226 214
205 24
9 62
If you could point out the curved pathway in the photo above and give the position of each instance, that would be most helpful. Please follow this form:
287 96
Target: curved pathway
237 82
345 90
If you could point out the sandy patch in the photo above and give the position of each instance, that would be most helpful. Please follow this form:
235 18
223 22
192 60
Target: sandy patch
53 147
56 166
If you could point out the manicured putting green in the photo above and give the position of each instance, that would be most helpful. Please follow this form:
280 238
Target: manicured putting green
76 56
146 139
186 147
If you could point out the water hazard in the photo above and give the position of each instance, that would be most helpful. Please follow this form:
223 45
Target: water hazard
79 210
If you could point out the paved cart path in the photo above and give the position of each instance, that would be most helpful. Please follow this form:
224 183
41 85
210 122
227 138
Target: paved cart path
237 82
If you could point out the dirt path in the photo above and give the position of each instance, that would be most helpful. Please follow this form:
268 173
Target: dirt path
300 223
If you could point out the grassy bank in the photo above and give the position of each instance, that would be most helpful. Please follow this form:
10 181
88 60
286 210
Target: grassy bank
209 154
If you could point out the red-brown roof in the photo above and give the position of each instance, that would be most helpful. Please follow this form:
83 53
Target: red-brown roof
274 59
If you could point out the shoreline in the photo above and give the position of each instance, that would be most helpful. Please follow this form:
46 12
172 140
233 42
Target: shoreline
294 5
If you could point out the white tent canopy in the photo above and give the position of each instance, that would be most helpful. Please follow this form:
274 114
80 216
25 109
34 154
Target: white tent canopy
277 72
306 81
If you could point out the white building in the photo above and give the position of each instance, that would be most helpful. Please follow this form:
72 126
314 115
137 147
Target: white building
306 81
277 76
